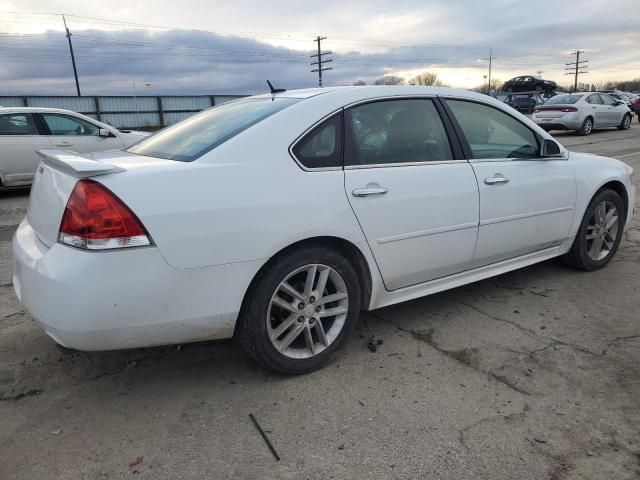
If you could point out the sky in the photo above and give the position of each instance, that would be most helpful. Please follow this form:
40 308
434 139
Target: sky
202 47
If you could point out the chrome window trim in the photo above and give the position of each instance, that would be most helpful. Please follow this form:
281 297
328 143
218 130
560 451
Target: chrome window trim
356 103
404 164
563 158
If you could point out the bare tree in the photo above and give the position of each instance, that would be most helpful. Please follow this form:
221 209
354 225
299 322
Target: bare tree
389 80
359 82
426 78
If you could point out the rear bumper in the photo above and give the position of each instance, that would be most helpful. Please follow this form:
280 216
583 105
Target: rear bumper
124 298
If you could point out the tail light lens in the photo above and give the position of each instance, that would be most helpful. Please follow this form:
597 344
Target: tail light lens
537 110
95 219
556 109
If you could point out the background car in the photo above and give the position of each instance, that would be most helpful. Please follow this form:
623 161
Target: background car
524 102
582 112
24 130
278 218
527 83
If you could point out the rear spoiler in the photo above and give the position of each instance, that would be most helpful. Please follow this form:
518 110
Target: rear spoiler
75 164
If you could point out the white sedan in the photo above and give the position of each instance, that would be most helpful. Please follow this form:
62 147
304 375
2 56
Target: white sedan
24 130
278 218
582 112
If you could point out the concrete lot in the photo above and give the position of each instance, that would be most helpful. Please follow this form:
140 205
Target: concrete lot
531 375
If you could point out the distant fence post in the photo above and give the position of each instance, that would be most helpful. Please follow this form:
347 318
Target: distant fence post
160 111
25 102
213 100
97 103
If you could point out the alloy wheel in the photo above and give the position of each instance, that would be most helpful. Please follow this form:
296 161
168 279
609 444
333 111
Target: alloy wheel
588 126
307 311
626 123
602 230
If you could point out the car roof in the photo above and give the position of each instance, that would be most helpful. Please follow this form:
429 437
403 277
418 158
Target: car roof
34 109
350 94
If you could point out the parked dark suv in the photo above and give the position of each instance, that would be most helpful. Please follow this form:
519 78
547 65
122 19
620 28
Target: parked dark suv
528 83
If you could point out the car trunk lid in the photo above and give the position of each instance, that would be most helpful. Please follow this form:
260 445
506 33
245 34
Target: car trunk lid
56 177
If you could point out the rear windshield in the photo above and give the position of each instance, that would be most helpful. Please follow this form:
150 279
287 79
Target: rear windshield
193 137
563 99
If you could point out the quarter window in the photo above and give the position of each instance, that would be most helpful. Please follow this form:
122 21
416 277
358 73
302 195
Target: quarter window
17 124
492 133
66 125
395 131
322 147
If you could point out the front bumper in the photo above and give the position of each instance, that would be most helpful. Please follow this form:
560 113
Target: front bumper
124 298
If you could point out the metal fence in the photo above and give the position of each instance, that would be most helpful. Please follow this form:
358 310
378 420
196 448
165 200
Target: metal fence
125 111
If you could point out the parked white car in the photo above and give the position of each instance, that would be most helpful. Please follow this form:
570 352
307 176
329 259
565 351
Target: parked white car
278 218
24 130
582 112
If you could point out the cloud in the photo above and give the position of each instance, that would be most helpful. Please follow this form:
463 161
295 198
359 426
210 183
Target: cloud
273 40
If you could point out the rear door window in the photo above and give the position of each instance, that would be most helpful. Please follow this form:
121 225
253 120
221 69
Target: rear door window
395 131
17 124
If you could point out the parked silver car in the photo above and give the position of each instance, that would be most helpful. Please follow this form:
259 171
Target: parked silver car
582 112
24 130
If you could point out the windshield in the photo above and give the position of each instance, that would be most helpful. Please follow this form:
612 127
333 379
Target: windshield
564 99
193 137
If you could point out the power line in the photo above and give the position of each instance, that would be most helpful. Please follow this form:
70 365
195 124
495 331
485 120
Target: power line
576 68
320 60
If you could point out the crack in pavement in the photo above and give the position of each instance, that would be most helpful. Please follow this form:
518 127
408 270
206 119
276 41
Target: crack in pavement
464 356
512 416
19 396
532 333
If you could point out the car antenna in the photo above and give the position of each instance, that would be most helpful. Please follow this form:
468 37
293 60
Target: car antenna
275 90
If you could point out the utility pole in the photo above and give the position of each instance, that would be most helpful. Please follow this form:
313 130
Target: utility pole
576 68
491 59
539 73
320 60
73 58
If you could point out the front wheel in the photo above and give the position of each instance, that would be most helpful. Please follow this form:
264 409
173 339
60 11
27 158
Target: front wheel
626 122
300 310
599 234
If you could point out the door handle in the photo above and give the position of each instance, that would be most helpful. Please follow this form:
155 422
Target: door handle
64 144
365 192
496 179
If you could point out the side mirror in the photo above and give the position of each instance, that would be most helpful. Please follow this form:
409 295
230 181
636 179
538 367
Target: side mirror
619 102
104 133
550 149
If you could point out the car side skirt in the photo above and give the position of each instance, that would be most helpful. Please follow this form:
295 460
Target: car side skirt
463 278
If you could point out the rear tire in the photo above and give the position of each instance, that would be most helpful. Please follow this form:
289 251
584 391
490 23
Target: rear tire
626 122
595 245
587 127
281 307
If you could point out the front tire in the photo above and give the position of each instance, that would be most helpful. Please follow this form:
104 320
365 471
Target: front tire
300 310
599 234
626 122
587 127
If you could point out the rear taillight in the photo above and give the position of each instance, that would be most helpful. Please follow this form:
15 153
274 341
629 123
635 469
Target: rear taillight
556 109
95 219
537 110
